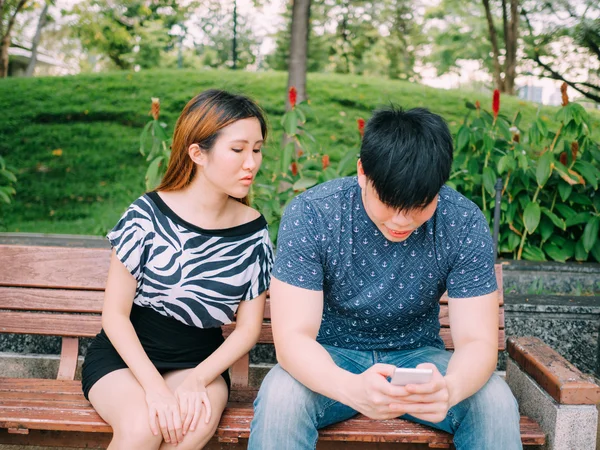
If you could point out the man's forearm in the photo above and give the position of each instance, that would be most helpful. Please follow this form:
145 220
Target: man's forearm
309 363
470 367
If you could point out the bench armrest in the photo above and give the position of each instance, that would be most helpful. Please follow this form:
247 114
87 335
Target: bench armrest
553 373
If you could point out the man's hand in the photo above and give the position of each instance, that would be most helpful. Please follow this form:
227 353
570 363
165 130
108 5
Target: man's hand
427 401
373 395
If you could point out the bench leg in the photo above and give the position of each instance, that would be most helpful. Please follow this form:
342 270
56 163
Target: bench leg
566 426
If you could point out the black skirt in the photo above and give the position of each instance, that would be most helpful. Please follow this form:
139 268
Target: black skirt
169 343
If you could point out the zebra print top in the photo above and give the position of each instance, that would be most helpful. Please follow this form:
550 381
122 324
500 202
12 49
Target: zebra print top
194 275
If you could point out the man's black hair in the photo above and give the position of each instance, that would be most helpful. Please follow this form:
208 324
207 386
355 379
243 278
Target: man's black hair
407 155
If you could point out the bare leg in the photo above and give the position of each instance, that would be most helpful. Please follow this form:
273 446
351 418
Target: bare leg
217 394
121 402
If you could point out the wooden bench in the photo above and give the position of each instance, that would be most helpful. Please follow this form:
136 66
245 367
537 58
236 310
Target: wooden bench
58 291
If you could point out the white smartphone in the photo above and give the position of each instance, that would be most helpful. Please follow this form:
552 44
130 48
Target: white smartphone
403 376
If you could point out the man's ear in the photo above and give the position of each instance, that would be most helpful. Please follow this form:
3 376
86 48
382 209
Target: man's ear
362 178
197 154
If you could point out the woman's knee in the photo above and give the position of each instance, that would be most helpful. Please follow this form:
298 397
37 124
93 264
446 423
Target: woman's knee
136 433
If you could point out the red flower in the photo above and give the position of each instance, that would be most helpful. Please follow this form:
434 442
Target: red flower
325 161
574 149
563 158
565 97
155 111
294 168
477 105
496 103
361 126
292 96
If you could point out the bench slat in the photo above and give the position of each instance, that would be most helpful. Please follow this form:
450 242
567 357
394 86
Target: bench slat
54 267
50 324
89 326
54 300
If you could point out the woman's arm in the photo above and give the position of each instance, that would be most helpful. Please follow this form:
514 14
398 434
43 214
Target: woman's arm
238 343
118 300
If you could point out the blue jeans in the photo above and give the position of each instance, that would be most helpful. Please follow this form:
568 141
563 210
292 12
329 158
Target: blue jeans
287 414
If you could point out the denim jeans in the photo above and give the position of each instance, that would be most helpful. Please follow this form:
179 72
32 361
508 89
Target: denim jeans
287 414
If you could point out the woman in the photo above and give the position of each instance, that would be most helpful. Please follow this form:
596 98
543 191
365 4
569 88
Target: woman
185 259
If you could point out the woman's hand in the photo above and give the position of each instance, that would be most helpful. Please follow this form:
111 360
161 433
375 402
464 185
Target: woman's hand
163 404
191 395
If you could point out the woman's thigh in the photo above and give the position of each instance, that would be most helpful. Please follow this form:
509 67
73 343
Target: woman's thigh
121 401
218 395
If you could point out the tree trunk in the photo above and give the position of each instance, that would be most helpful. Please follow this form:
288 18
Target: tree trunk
298 49
234 43
36 41
494 40
510 71
4 44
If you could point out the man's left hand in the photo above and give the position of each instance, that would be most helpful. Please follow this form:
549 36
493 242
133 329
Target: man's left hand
428 401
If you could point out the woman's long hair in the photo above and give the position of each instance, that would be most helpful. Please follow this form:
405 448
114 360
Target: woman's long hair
199 123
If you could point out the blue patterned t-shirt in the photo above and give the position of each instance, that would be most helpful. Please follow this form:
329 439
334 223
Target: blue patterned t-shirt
378 294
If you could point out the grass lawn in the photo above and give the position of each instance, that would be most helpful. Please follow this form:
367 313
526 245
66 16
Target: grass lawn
74 141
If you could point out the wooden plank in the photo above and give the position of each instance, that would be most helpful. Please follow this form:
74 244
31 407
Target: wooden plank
49 324
53 300
54 267
561 379
45 438
240 372
40 385
68 358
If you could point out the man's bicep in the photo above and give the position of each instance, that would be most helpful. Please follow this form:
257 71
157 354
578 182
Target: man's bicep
474 318
294 310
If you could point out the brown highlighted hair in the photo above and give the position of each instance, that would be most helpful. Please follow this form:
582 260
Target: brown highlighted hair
200 123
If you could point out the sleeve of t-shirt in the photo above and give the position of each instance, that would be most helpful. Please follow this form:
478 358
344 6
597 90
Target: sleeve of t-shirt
261 277
130 240
298 259
472 273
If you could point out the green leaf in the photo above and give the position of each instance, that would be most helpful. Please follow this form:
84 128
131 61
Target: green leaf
463 137
533 253
546 228
580 253
504 128
503 164
304 183
348 163
596 250
588 171
146 138
554 218
470 105
286 158
8 175
565 211
289 122
523 162
153 173
531 216
517 120
557 253
542 127
580 199
578 219
489 179
534 134
4 197
564 190
544 168
513 241
590 233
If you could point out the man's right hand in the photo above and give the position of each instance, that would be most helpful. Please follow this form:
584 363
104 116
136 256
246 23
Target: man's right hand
372 394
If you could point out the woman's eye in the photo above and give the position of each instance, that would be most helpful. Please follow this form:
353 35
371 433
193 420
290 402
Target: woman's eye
257 150
237 150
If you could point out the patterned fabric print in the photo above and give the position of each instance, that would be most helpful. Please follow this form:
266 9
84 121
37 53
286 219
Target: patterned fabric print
380 295
195 276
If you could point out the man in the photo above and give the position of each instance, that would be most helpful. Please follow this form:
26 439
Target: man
361 265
